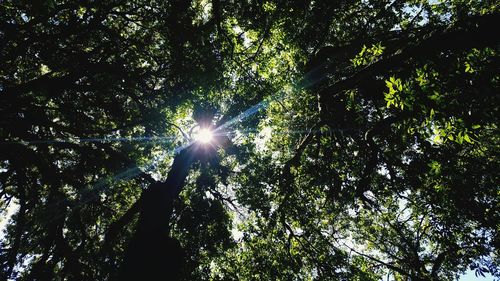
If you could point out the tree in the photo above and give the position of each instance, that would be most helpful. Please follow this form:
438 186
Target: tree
355 140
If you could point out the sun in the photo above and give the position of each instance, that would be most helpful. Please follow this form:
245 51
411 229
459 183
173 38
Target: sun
204 136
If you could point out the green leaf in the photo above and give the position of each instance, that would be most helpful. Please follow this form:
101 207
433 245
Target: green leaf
467 139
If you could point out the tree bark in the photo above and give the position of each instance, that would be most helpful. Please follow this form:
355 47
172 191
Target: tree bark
152 254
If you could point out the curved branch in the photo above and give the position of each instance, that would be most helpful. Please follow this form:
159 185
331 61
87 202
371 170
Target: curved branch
476 32
184 135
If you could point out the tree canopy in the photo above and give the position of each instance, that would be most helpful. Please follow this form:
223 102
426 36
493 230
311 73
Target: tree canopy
353 140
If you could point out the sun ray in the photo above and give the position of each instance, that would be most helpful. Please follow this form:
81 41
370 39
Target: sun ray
95 140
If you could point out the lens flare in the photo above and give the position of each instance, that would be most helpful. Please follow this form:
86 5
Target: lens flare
204 135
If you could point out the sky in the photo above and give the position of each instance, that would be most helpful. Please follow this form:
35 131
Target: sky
470 276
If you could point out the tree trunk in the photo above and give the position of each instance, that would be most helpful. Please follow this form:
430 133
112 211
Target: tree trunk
153 254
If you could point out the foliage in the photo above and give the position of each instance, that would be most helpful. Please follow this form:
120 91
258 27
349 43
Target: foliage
363 136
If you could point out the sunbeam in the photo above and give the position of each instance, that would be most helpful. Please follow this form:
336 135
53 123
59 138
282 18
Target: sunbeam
309 79
204 136
94 140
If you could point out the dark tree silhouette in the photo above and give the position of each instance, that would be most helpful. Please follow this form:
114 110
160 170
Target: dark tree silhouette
152 253
354 140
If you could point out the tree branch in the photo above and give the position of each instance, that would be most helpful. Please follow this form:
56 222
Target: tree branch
476 32
117 226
